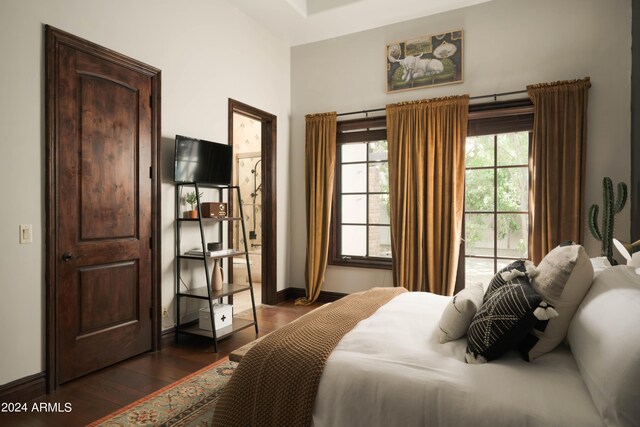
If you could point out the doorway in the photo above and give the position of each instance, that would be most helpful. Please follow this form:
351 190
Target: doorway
102 207
252 133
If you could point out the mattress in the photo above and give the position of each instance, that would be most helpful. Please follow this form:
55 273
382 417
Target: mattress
391 370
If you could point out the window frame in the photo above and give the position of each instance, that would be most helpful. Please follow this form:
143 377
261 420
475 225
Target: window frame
496 212
484 119
496 118
369 129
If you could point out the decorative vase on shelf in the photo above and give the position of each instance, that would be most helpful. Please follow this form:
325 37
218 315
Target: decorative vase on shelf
193 214
216 275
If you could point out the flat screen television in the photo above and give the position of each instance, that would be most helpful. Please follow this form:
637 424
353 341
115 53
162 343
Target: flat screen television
201 161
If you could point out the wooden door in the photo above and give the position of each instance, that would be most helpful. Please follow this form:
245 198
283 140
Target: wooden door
103 143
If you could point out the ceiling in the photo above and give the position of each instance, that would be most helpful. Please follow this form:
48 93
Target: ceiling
306 21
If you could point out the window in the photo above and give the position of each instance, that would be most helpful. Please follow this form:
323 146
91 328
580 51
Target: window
360 225
496 216
496 193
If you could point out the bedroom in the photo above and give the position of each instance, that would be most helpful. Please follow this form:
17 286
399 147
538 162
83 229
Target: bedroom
509 44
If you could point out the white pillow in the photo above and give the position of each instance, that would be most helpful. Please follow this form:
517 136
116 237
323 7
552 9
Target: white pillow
458 314
605 340
600 264
562 279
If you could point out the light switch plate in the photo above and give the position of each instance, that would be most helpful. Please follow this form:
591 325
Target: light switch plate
26 234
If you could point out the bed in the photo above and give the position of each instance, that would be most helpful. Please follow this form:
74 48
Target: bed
383 373
391 369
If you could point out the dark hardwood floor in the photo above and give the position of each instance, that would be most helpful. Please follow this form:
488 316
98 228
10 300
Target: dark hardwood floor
96 395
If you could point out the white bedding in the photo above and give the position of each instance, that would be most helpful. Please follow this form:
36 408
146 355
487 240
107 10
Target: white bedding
390 370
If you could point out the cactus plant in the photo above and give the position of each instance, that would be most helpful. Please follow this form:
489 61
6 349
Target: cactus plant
610 208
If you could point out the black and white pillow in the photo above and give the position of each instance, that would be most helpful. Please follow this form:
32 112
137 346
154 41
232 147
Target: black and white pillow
510 309
562 278
516 268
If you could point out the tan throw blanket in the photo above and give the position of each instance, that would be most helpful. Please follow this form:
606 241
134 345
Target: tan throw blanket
276 382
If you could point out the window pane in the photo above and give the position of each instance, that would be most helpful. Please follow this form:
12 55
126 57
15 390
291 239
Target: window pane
354 209
478 234
513 149
379 209
479 151
354 152
379 177
479 190
380 241
512 235
478 270
354 240
354 179
513 189
377 151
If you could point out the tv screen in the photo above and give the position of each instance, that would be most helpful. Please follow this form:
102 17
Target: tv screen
204 162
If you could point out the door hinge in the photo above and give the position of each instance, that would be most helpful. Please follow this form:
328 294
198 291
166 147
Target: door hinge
150 172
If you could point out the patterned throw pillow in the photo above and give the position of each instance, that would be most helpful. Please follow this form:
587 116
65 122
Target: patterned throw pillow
503 276
562 278
458 314
511 307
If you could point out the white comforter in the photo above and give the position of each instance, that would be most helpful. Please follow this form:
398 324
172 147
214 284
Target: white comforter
390 370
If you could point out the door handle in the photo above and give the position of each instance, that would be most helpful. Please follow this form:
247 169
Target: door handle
68 256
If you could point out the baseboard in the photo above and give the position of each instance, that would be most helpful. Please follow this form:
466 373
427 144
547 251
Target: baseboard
168 331
282 295
24 389
325 296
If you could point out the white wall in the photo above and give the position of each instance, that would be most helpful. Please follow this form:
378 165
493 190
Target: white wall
208 51
508 44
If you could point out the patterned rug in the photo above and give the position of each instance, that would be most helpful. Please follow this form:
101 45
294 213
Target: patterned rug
187 402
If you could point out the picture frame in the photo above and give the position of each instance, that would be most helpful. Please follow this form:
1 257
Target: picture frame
425 61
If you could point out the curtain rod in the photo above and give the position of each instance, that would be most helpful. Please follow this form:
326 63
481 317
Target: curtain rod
494 96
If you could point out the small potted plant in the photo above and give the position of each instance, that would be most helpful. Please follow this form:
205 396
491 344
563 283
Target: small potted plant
192 200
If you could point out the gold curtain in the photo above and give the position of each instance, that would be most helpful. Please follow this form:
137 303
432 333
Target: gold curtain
320 158
557 164
426 142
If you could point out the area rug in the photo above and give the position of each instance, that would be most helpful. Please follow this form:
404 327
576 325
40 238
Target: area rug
187 402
